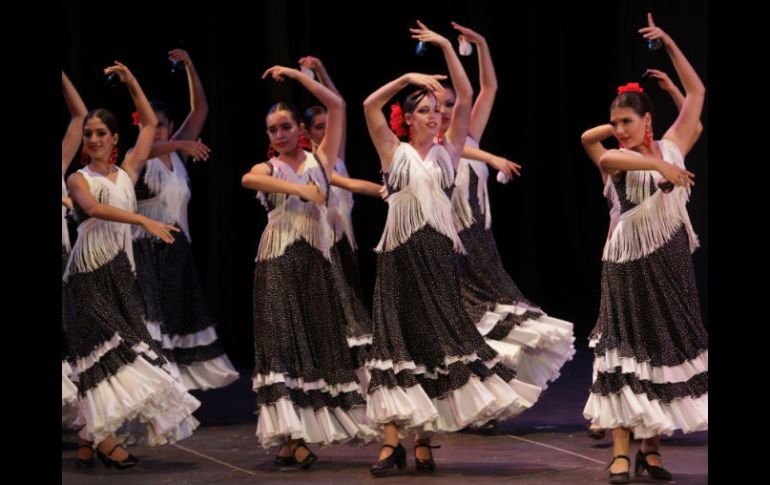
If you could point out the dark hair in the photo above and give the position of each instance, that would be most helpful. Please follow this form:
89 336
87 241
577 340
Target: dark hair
311 113
411 101
446 84
160 107
639 102
281 106
409 105
107 118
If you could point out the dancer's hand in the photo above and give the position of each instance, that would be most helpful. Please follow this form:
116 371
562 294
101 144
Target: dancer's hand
195 149
506 166
665 82
652 32
424 34
677 176
312 193
426 81
280 72
384 192
175 55
468 34
122 71
159 229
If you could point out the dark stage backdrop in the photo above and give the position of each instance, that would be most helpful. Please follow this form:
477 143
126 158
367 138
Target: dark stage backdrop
558 66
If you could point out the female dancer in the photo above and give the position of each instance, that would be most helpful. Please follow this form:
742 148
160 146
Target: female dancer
651 359
176 306
69 147
592 142
125 393
431 369
339 209
304 375
532 343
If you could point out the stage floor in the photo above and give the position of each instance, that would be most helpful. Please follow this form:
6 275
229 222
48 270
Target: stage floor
545 445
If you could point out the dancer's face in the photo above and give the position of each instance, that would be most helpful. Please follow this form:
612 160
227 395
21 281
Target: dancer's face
165 127
98 140
628 127
446 103
283 131
426 119
317 128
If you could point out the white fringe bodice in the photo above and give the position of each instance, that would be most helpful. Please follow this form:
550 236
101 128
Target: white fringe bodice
65 235
171 195
461 206
99 241
419 198
656 217
290 218
340 208
612 196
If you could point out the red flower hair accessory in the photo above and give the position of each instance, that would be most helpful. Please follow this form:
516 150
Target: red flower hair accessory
630 88
397 120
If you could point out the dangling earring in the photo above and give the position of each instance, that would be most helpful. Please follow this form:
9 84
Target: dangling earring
304 143
270 152
113 156
411 132
84 158
648 136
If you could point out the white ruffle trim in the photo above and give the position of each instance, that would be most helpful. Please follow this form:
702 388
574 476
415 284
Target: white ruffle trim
657 375
359 340
421 369
537 349
211 374
647 418
271 378
142 404
69 392
474 403
283 420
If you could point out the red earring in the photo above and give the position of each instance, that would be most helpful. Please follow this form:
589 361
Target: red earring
648 136
84 158
270 152
113 156
304 143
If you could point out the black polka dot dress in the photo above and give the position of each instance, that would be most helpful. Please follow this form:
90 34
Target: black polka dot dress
650 346
529 341
124 383
69 392
431 369
305 378
177 314
347 277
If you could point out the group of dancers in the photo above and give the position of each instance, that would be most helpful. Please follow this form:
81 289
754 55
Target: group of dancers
450 343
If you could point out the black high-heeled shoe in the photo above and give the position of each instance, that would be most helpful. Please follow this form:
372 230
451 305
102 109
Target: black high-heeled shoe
596 433
285 461
89 463
129 462
656 472
397 458
309 459
621 477
424 465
